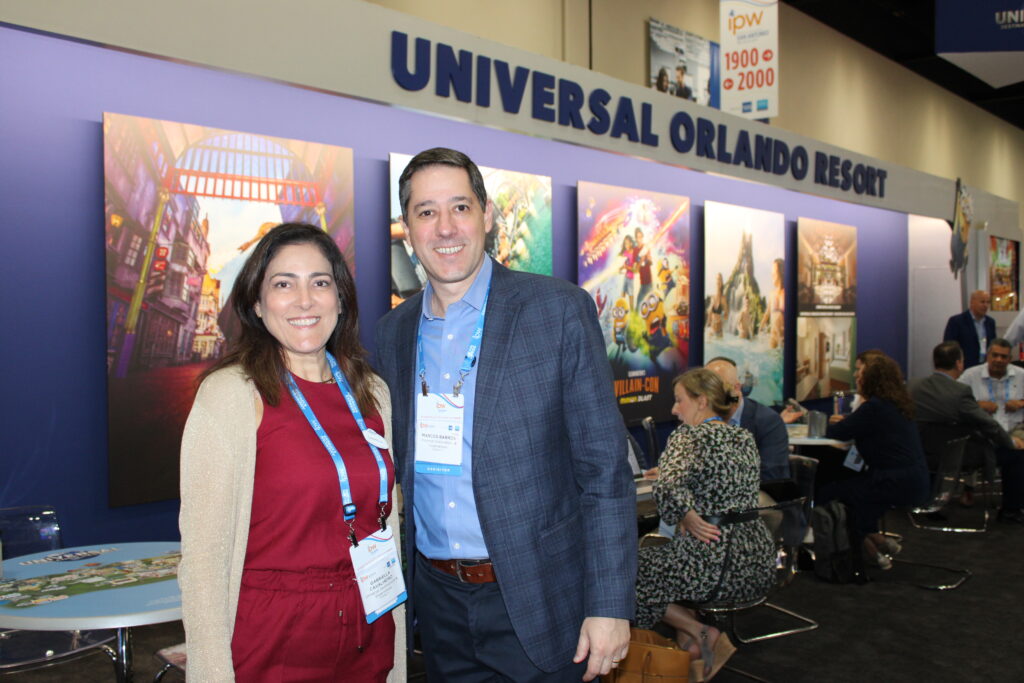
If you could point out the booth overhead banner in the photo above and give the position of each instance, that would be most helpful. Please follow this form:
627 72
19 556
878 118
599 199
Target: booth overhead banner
408 62
749 31
984 37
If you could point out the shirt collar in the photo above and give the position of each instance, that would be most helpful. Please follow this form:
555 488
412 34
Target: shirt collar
735 419
473 297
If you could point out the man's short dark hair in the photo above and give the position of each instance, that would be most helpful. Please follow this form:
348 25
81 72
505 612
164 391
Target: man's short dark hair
946 355
724 359
1000 342
440 156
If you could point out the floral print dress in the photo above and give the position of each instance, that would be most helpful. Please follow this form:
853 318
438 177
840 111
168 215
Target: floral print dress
711 468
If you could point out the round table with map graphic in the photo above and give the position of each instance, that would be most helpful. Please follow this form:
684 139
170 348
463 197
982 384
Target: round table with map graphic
114 585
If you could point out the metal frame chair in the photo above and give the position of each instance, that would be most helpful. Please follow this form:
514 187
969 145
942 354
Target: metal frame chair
652 440
944 445
26 530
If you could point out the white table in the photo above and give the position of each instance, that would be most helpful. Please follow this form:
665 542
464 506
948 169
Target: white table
798 437
116 585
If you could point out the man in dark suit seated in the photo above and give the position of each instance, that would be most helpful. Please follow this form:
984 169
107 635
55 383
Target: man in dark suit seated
764 423
972 329
940 399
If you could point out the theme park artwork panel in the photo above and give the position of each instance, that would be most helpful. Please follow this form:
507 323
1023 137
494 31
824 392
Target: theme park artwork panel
185 206
520 238
745 295
634 260
1003 259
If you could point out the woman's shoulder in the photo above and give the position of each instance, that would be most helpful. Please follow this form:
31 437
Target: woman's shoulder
225 382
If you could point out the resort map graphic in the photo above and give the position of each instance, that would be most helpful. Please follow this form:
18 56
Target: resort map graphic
88 578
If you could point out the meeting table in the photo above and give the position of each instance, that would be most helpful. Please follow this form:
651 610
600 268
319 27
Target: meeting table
107 586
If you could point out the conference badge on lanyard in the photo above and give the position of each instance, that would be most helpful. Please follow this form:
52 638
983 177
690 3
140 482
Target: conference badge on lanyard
379 574
439 425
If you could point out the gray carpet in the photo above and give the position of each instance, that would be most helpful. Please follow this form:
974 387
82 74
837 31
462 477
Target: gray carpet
881 631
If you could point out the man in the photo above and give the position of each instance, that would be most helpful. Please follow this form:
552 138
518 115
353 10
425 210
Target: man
682 90
998 386
764 423
521 540
972 329
940 399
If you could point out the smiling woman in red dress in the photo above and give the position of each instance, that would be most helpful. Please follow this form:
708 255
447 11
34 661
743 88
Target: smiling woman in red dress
268 589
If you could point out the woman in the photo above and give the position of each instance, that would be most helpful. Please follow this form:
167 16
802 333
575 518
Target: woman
774 320
709 468
718 308
268 590
628 268
883 429
662 82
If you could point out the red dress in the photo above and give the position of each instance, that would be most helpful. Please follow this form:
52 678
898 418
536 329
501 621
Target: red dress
299 615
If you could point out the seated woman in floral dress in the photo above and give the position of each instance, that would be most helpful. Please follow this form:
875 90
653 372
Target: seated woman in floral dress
710 471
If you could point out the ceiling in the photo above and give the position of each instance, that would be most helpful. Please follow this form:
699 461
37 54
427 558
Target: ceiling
905 33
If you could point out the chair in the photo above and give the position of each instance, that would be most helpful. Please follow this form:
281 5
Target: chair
788 538
652 441
173 657
724 613
26 530
946 452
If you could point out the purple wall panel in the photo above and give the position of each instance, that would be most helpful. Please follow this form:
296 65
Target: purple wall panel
54 93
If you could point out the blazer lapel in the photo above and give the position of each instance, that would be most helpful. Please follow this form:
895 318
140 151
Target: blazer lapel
405 347
503 308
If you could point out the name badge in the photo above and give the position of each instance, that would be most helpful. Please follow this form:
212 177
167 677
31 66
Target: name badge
379 574
439 424
853 460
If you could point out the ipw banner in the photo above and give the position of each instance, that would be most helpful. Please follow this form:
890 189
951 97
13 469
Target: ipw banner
749 34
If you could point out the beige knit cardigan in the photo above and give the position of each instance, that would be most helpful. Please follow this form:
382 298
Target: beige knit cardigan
218 465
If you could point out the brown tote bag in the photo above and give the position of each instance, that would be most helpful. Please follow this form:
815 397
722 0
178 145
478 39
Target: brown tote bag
652 658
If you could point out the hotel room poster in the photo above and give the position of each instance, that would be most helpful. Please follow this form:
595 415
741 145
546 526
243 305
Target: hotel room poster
745 296
634 260
185 205
826 351
827 268
520 238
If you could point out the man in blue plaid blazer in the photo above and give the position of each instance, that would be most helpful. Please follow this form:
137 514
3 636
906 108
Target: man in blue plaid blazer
520 540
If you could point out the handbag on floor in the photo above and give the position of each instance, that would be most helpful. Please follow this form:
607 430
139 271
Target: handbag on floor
652 658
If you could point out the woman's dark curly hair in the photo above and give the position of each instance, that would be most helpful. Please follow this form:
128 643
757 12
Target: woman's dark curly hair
882 378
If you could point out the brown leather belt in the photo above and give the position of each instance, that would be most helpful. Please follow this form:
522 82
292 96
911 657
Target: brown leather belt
467 571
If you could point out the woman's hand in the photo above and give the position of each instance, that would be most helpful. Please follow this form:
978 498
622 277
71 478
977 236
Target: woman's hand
695 525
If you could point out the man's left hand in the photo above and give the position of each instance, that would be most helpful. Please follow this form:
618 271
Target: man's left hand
606 641
1014 406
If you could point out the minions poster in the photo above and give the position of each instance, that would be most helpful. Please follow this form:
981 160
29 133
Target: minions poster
745 295
520 238
634 260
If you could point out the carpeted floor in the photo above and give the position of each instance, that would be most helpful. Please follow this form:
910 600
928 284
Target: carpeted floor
882 631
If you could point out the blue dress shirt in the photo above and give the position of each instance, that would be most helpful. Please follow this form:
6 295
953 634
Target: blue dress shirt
447 524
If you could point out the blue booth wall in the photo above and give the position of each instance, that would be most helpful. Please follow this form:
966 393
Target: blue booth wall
54 93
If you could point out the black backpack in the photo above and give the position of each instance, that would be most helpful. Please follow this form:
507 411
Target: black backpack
835 560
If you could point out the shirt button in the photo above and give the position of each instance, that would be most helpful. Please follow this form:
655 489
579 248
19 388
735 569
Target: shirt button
447 375
457 546
451 504
451 336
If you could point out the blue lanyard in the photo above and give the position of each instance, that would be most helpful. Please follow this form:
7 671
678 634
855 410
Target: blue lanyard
348 505
713 419
472 352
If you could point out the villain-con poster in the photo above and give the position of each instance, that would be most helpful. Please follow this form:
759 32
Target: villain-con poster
634 260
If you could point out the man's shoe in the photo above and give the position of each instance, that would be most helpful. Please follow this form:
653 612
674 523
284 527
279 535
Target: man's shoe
1011 516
